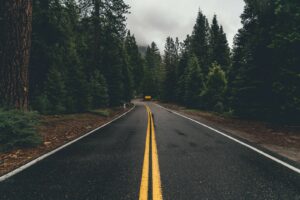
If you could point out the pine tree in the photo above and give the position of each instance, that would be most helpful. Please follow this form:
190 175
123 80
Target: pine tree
107 18
252 74
200 41
55 92
98 89
135 61
219 49
224 51
181 69
193 83
170 64
14 53
212 97
153 72
127 78
285 46
61 49
152 57
106 25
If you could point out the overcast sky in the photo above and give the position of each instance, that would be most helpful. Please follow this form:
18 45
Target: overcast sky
155 20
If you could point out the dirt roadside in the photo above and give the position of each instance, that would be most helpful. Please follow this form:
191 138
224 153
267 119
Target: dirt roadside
56 130
284 141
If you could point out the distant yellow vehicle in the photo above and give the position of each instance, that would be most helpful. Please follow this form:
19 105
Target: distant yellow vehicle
147 98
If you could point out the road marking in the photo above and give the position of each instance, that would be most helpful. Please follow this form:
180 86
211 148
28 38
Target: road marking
18 170
295 169
156 182
145 173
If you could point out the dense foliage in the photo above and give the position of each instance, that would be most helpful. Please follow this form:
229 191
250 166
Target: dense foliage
18 129
80 56
194 71
265 74
260 79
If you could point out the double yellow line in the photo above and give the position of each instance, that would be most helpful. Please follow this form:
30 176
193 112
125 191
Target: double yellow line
156 183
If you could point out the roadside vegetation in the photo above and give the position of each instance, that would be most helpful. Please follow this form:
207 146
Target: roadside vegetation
78 56
259 78
82 60
18 129
52 131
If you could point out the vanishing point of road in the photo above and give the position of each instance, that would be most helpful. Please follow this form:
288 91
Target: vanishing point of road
151 153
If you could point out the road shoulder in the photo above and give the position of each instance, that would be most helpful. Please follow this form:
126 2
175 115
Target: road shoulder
58 132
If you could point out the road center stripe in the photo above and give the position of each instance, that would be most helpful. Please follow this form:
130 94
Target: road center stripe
156 182
145 173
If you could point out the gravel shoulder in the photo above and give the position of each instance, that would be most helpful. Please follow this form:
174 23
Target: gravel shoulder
282 140
57 130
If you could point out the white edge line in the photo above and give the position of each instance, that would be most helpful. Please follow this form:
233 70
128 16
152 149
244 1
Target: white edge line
295 169
23 167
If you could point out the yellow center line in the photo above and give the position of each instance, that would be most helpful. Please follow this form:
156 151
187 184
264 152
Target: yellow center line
156 182
145 172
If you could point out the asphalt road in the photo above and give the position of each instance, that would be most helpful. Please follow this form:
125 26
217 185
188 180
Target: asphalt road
193 162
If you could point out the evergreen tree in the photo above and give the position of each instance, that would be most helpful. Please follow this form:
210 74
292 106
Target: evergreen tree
285 47
252 72
15 44
170 64
219 49
200 41
212 97
60 49
152 57
98 90
149 84
65 37
78 95
135 61
264 79
181 69
127 78
114 76
113 34
193 83
153 72
55 92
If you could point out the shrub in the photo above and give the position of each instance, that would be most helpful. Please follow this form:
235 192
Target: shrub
17 129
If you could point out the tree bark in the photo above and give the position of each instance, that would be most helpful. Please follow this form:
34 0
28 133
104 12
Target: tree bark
15 52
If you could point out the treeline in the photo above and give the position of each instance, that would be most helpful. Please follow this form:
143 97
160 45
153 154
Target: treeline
81 56
258 79
191 72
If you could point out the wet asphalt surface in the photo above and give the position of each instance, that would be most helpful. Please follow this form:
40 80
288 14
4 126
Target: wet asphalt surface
195 163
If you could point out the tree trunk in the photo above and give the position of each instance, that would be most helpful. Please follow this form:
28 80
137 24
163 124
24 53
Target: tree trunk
14 53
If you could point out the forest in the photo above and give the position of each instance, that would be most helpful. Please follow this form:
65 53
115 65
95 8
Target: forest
69 56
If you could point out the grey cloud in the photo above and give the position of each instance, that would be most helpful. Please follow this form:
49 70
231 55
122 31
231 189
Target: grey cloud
154 20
